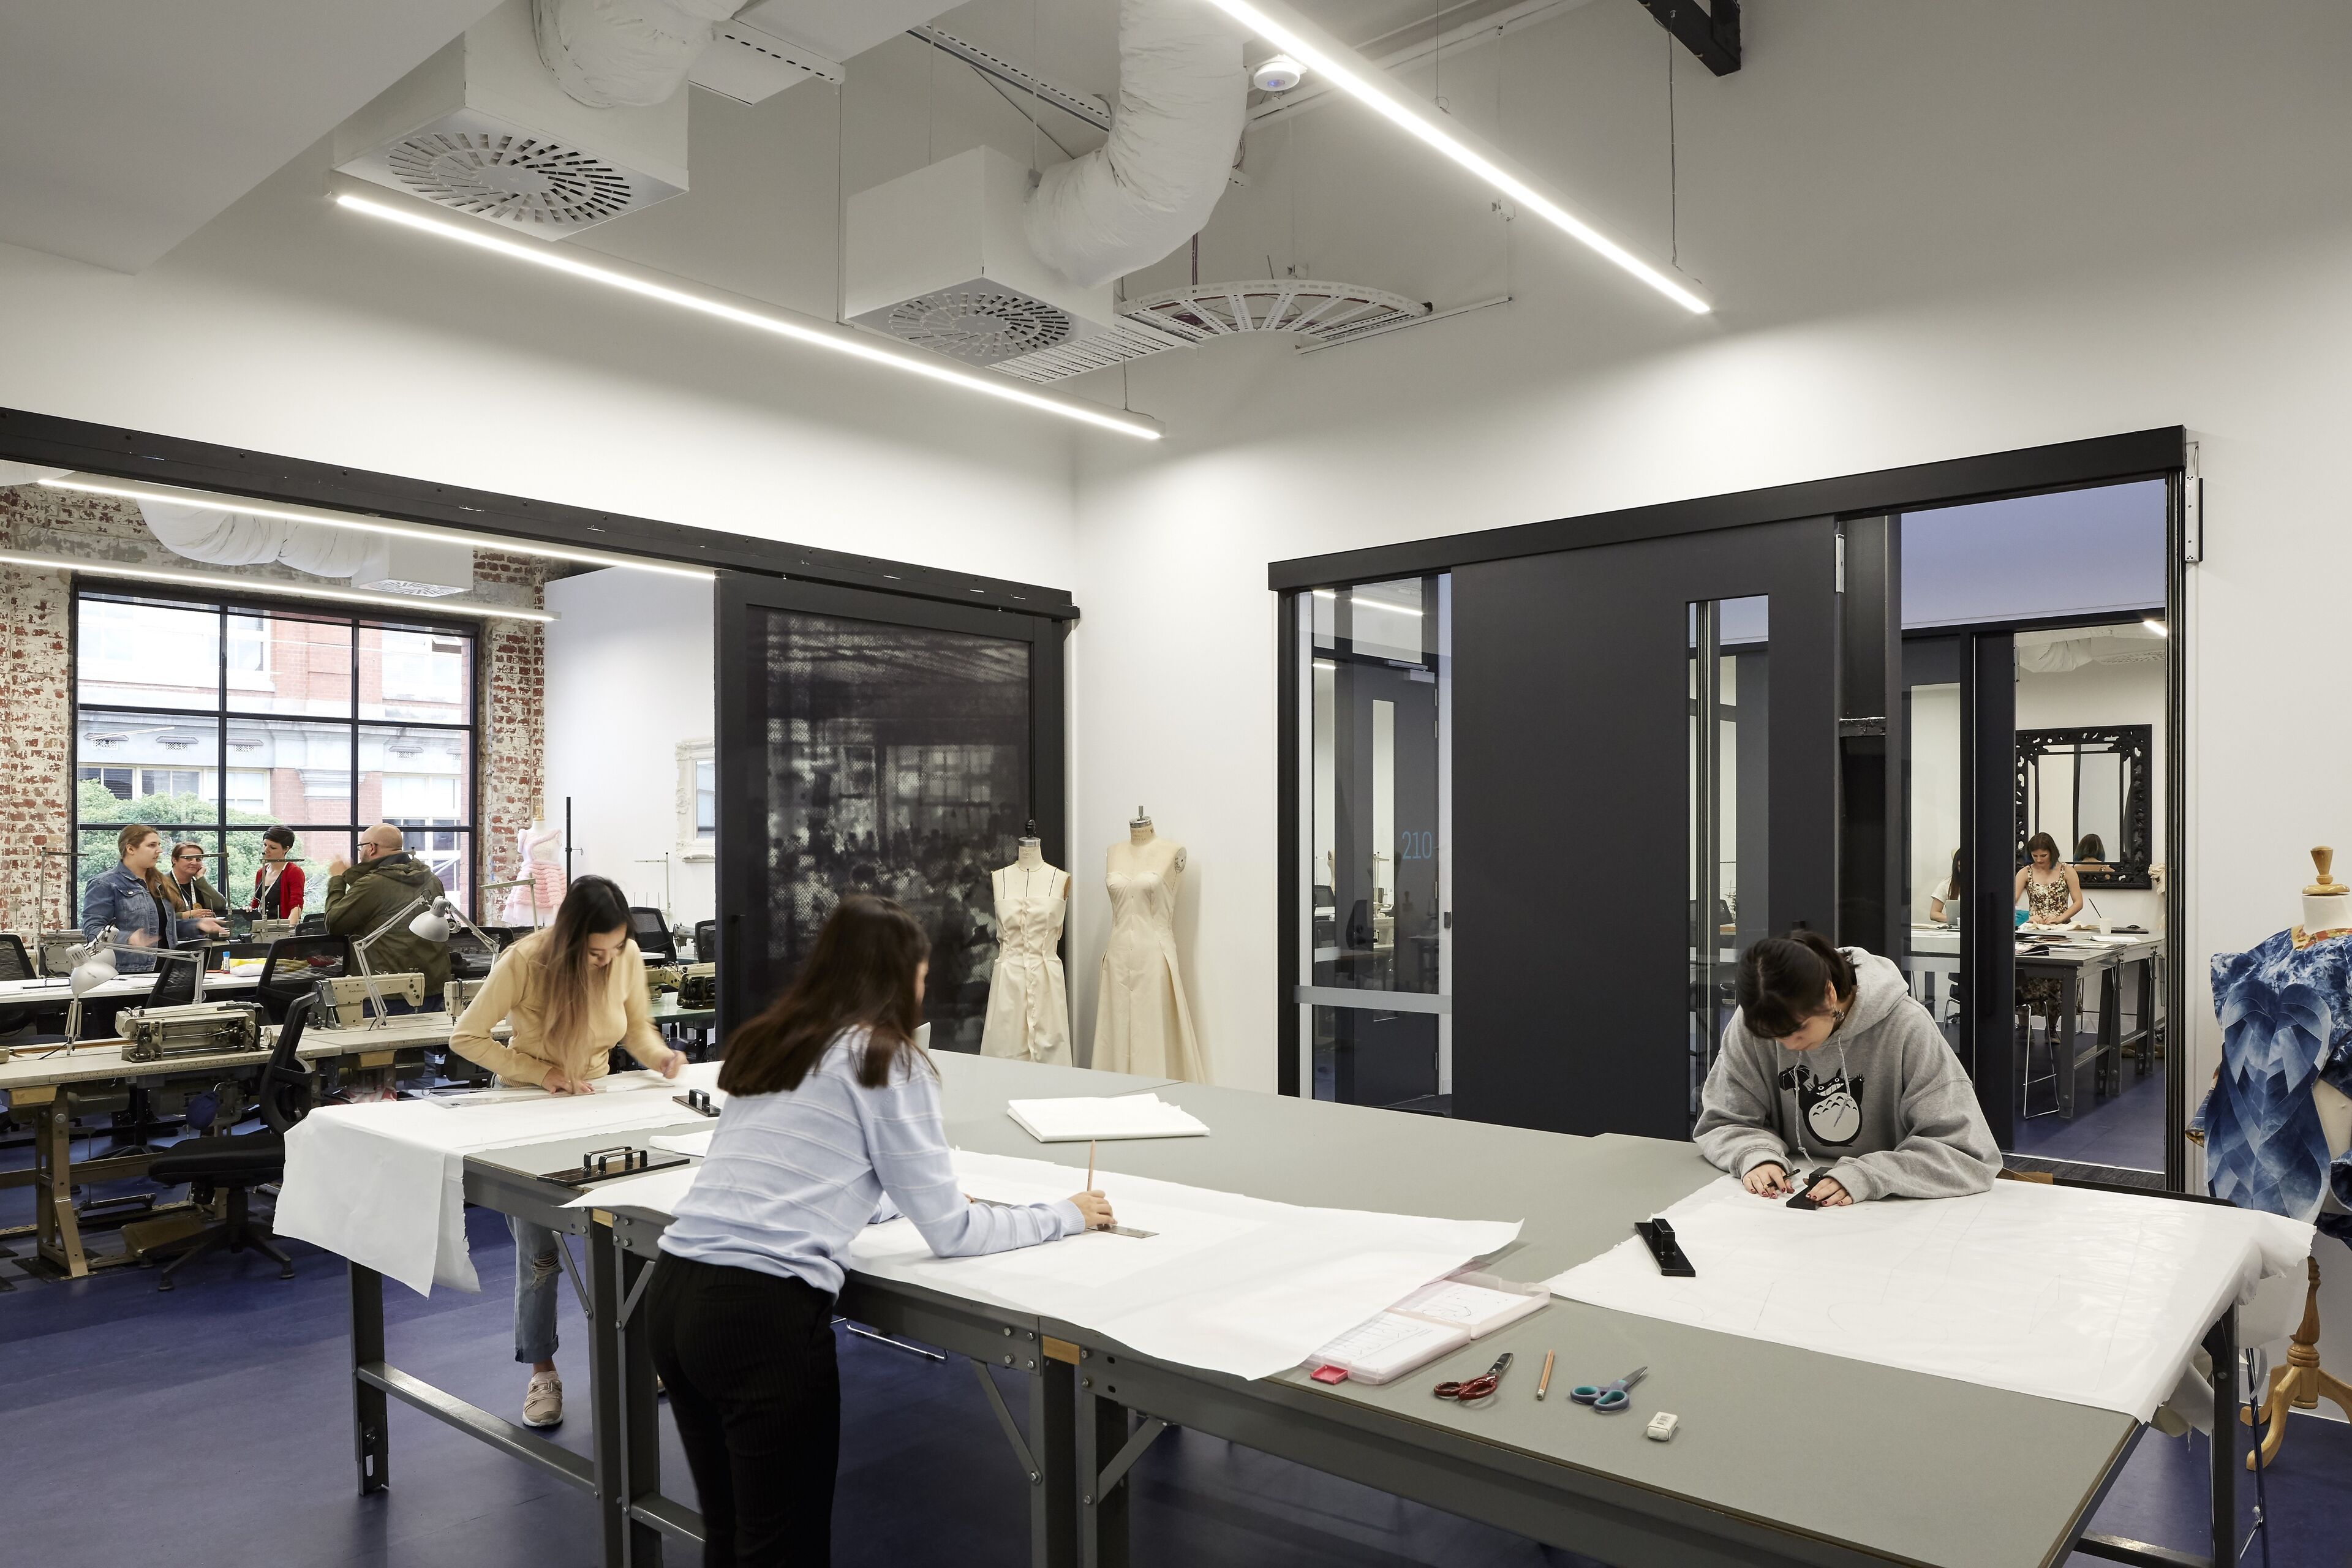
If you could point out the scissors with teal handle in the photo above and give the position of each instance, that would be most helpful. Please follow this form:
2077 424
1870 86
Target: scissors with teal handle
1608 1397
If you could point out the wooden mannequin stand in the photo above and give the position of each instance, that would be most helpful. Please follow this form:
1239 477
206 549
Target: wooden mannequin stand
2300 1385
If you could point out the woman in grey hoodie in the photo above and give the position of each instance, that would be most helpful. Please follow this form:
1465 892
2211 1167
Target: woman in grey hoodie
1829 1066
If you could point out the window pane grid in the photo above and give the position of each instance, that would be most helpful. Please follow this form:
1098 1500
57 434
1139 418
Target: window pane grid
234 712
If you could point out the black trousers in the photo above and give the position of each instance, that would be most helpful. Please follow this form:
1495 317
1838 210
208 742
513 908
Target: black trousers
753 1386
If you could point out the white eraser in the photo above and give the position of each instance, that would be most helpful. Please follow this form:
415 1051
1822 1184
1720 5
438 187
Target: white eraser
1662 1426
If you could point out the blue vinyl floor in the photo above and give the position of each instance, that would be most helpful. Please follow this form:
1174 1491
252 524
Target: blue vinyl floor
2123 1129
210 1427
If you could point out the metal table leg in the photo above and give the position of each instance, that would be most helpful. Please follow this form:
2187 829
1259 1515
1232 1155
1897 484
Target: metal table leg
57 1228
621 1381
371 1430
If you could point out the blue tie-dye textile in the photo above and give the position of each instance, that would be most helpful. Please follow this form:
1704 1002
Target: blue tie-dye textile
2286 1022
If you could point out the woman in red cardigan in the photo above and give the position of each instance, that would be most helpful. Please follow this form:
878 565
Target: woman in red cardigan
278 881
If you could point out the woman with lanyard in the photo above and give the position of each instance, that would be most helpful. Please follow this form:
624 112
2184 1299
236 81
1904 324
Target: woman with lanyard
832 1122
570 993
132 899
277 880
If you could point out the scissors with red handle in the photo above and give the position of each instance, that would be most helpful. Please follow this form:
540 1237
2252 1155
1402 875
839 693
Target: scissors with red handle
1469 1390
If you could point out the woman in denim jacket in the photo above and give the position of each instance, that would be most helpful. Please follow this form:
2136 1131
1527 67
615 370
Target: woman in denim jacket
127 899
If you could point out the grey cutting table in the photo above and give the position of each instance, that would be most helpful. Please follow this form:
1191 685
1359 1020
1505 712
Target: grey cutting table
1785 1456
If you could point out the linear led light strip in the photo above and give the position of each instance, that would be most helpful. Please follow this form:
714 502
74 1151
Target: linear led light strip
1372 603
206 502
556 258
233 585
1345 70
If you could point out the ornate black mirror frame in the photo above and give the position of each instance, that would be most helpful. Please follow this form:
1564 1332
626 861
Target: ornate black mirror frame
2129 864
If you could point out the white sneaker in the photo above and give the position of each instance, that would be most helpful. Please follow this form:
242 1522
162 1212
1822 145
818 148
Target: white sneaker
543 1402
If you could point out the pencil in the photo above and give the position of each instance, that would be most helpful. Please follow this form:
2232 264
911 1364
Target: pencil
1543 1385
1091 1165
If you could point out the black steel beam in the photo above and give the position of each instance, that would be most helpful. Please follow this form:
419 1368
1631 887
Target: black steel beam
1712 32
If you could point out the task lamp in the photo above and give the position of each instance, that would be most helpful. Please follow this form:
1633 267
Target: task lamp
427 919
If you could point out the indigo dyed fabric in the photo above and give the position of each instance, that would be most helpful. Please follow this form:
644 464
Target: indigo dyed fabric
2287 1023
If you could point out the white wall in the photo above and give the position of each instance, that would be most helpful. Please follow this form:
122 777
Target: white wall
1935 789
628 680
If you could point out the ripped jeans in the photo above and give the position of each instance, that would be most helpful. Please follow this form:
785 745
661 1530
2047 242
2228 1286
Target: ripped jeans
538 1274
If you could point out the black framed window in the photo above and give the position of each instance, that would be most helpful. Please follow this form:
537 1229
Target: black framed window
214 720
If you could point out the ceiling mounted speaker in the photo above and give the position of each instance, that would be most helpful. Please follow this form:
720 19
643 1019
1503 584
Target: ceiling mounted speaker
482 127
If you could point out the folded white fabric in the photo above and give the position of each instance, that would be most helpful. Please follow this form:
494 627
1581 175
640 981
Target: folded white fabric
2093 1298
384 1184
1079 1119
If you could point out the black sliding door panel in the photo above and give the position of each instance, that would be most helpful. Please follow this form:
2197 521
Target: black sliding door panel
1572 770
868 743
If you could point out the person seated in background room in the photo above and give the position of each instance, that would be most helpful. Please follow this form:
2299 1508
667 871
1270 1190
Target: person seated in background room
1897 1118
364 897
2090 853
1944 903
190 893
2046 885
277 880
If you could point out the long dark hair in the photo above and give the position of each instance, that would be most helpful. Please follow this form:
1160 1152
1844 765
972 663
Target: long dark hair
591 907
860 975
1783 979
1955 882
133 835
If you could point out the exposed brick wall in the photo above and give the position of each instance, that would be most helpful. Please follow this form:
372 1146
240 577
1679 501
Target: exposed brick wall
513 692
36 704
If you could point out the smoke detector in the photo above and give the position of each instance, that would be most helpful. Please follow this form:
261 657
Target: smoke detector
483 128
937 258
1277 73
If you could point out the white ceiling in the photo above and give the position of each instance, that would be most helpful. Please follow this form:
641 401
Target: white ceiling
127 125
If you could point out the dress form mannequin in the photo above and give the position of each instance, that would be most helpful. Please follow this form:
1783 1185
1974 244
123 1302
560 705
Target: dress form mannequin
1141 1022
542 860
1028 997
2319 949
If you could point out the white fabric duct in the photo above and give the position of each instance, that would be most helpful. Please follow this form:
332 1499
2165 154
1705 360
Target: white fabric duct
240 538
612 54
1151 186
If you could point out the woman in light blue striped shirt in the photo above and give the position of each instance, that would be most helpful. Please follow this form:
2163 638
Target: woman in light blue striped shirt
832 1109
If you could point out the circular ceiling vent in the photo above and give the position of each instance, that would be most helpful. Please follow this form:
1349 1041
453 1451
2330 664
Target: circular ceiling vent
977 326
519 179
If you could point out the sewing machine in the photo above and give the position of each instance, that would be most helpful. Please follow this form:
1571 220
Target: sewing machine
698 985
198 1028
343 998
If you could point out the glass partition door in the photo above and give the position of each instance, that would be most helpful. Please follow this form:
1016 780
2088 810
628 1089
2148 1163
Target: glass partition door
1376 710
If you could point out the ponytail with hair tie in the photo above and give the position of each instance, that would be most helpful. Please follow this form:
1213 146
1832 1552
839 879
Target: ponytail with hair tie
1781 980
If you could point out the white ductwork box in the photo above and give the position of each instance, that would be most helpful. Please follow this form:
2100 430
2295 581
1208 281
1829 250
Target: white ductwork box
937 258
483 127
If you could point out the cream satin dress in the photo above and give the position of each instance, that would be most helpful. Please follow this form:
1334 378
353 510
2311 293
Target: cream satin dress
1028 998
1141 1024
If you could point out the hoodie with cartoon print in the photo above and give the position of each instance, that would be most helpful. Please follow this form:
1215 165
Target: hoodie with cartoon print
1882 1103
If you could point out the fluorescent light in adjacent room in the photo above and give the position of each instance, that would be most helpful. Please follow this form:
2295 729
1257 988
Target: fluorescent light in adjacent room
2158 627
556 257
206 500
221 580
1351 74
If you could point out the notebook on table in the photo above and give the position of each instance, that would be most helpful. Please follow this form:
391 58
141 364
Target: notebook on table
1084 1119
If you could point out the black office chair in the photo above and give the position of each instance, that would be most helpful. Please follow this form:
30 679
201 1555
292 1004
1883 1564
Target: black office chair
295 965
245 1161
175 983
470 958
705 942
652 931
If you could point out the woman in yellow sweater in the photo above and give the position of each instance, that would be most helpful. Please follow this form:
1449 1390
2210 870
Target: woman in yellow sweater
571 993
